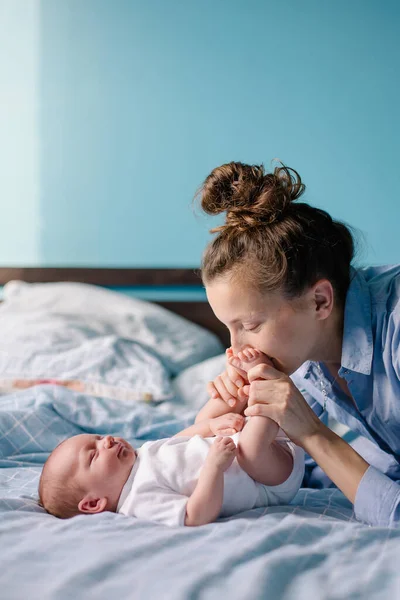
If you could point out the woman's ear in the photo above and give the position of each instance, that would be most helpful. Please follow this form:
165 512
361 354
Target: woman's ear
91 505
323 298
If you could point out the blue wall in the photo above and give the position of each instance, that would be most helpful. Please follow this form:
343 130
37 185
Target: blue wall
116 110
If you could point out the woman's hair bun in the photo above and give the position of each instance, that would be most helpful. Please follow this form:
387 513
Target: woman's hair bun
248 194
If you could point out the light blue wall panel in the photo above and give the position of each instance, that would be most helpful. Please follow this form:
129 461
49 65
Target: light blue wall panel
138 101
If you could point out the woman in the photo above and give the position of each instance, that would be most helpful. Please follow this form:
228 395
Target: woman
279 275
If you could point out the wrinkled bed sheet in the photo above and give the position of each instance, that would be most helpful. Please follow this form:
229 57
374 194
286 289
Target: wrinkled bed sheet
313 548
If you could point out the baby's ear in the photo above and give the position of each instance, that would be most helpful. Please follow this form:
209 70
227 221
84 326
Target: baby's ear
91 505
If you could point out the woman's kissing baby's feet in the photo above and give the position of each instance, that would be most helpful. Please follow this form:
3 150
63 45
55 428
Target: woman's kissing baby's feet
248 358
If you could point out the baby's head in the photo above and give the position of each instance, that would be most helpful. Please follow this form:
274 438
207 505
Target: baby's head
85 474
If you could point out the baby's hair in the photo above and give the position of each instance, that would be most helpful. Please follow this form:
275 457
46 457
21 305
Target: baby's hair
274 241
58 496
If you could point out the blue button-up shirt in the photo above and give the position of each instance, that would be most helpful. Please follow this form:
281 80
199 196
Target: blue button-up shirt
370 365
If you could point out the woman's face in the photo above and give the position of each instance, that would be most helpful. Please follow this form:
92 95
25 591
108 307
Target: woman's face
288 331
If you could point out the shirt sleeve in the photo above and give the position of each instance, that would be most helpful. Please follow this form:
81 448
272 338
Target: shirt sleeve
298 380
377 499
161 505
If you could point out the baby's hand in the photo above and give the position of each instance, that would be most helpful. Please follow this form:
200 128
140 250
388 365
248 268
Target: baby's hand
222 453
227 424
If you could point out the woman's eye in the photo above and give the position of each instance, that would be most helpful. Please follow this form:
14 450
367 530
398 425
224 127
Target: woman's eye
255 328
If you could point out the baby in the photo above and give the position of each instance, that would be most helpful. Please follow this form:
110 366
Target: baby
190 479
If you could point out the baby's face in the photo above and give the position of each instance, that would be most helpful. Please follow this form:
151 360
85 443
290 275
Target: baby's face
99 464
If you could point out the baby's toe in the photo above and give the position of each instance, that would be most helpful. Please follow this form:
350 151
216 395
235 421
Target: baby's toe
254 357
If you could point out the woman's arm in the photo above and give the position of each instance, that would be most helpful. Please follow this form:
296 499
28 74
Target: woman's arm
375 496
343 465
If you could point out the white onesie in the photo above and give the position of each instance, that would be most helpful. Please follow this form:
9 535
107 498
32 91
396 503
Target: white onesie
166 471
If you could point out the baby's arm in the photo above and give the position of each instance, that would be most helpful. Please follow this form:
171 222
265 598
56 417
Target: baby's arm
216 407
204 505
223 425
202 429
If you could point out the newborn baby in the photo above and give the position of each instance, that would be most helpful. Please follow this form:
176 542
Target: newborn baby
190 479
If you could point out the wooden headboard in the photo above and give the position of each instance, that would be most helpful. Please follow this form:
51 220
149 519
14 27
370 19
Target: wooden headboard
195 310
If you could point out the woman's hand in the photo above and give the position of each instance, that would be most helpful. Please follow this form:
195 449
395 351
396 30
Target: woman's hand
273 394
228 386
226 424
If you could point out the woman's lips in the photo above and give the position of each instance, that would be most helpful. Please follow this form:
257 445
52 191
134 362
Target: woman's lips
277 365
271 361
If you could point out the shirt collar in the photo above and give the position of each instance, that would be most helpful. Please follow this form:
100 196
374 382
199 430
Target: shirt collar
128 484
357 345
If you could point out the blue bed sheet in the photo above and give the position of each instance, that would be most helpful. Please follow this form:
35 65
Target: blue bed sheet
313 548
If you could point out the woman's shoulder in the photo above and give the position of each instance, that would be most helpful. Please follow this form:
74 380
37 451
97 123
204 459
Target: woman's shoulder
384 287
379 273
383 283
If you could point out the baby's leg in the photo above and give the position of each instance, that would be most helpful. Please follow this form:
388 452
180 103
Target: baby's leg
258 453
216 407
264 459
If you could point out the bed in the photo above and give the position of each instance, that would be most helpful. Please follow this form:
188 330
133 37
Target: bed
76 355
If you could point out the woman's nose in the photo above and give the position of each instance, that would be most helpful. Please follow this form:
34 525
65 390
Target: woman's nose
236 348
235 344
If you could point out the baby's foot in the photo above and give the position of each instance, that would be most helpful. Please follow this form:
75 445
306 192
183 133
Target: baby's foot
248 358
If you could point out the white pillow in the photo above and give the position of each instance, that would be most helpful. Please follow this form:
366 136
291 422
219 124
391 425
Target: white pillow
84 332
191 385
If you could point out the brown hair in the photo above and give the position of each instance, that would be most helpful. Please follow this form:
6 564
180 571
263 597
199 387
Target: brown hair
59 497
277 242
